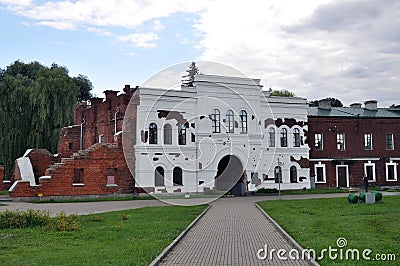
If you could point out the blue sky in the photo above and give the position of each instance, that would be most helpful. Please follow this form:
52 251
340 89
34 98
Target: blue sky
317 48
107 62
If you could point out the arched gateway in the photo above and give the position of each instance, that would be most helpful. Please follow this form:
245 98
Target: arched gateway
230 175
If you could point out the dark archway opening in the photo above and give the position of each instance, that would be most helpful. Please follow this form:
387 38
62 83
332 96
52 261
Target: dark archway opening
230 176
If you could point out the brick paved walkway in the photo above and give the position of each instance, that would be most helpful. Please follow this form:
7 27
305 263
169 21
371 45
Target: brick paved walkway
230 233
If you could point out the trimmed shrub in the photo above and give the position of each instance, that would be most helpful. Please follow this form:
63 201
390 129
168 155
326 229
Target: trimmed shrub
378 195
352 198
362 196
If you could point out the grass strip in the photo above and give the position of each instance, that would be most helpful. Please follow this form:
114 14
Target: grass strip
319 223
131 237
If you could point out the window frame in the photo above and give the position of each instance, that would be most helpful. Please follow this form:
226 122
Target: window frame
243 121
340 141
368 142
370 164
216 121
318 141
78 177
323 166
391 146
394 172
111 174
271 137
283 134
230 121
182 134
167 133
291 177
296 138
153 134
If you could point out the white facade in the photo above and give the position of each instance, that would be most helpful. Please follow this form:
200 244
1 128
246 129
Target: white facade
199 157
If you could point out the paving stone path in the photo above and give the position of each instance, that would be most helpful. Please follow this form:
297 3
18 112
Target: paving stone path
230 233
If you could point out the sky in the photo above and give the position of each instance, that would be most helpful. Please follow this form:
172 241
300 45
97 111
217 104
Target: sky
348 50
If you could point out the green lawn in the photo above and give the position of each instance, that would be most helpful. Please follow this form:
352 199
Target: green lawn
124 198
104 239
274 191
3 192
314 191
318 223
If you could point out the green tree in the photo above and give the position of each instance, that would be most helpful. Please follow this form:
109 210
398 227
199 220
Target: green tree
85 86
37 101
334 102
281 93
192 70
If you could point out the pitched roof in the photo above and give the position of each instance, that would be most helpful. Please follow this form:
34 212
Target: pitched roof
350 112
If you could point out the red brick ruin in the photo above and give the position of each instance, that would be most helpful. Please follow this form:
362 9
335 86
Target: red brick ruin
90 158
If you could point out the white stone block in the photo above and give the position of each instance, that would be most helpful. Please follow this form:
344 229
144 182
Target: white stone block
370 198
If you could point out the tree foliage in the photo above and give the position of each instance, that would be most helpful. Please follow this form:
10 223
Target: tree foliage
191 71
37 101
281 93
334 102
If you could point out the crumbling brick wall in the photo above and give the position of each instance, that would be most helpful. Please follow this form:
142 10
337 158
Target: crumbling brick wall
96 165
5 184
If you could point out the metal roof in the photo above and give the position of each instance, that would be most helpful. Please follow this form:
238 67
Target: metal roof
350 112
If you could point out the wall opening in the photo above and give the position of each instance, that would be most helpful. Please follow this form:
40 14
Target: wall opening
230 175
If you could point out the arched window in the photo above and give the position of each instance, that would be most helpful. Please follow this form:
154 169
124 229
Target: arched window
152 133
230 121
296 137
271 135
167 134
283 137
293 174
278 174
182 135
159 176
243 121
177 176
216 118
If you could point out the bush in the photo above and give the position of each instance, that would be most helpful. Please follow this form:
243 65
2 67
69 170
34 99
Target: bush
362 196
352 198
267 191
378 195
67 222
24 219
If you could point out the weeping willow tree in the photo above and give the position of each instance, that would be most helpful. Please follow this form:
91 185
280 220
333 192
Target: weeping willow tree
36 102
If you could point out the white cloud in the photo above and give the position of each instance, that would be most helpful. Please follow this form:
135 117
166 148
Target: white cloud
99 16
143 40
16 4
158 25
344 49
171 77
99 31
120 13
59 25
166 79
317 48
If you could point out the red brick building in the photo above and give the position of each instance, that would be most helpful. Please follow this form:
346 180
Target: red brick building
347 143
90 159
